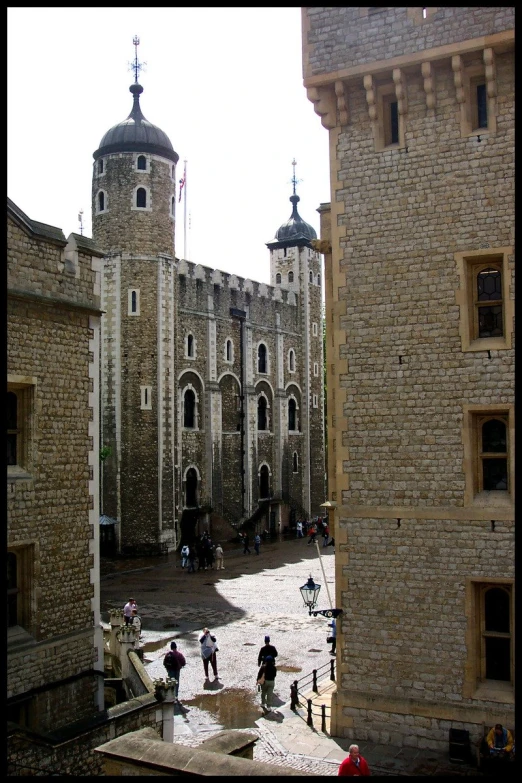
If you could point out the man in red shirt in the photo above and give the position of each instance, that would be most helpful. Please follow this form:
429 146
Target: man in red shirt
353 764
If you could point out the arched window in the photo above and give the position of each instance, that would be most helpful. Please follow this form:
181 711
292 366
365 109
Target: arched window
172 205
141 198
318 280
189 409
101 201
100 166
291 360
261 358
264 482
488 303
494 455
311 276
191 488
228 350
295 462
496 638
261 413
290 277
134 301
142 163
173 172
278 277
190 345
292 418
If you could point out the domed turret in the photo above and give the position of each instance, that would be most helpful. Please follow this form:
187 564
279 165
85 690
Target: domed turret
136 134
295 231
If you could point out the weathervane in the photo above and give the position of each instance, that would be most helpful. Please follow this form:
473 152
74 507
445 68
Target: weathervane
136 66
80 220
294 178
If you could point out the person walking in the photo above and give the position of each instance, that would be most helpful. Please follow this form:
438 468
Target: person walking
209 649
266 680
332 639
354 764
184 555
266 649
174 661
191 559
326 534
219 557
312 531
246 548
257 543
299 533
127 610
210 549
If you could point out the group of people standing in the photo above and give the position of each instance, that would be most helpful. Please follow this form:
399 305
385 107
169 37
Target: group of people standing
204 553
174 660
317 527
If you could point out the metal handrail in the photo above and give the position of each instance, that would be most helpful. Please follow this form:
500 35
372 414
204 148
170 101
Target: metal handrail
297 690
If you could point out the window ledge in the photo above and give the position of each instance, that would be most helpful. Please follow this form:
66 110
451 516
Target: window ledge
16 473
488 344
17 635
495 690
490 499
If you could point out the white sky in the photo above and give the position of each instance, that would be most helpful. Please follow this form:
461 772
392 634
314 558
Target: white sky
226 86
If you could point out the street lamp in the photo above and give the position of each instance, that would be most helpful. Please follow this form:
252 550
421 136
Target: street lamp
310 592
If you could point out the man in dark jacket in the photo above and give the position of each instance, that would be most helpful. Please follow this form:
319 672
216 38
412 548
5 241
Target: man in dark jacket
267 674
267 649
174 661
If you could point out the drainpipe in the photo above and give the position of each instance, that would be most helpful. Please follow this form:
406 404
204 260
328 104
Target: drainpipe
241 316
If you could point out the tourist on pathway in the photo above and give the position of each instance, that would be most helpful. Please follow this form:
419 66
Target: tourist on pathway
257 543
208 652
246 548
266 649
127 610
219 557
184 555
332 639
174 661
353 765
266 680
326 534
191 559
136 624
299 529
312 532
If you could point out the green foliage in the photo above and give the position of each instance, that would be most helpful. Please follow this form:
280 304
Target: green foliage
105 452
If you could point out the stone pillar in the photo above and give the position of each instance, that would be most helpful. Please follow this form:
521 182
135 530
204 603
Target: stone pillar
164 690
116 621
127 639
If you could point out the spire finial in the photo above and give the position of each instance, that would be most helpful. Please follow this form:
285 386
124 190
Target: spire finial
80 220
294 180
136 66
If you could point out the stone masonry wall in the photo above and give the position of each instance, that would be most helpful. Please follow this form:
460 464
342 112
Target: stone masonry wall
344 37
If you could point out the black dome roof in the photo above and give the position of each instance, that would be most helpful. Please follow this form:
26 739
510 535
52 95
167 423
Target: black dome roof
136 134
295 231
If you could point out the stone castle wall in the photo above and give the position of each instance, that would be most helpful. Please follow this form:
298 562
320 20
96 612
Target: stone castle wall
412 548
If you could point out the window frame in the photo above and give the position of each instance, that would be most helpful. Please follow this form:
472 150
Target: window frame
189 388
258 358
146 398
475 684
26 559
146 170
190 346
474 417
24 389
105 209
469 264
130 310
291 360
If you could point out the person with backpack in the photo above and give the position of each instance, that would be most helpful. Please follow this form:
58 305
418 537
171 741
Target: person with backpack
174 661
266 681
184 555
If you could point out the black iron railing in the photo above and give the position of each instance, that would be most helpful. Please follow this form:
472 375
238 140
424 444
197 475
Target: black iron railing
301 686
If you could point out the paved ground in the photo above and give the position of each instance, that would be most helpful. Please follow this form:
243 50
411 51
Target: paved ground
253 596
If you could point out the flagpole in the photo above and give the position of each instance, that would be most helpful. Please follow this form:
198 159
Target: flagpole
185 210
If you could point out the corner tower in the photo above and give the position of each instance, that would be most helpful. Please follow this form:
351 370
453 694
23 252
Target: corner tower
296 266
133 201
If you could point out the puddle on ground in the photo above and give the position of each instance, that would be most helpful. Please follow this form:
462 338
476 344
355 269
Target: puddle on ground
234 708
157 645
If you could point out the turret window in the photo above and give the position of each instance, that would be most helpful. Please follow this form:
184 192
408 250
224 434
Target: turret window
311 276
141 163
100 166
262 419
229 351
319 280
101 202
141 198
292 415
291 360
189 409
290 277
295 463
262 358
278 277
133 301
314 329
172 206
190 348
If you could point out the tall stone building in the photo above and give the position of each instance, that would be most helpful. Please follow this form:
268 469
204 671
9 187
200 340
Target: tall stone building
211 401
419 106
54 638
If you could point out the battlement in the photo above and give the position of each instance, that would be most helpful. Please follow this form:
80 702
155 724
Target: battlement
227 282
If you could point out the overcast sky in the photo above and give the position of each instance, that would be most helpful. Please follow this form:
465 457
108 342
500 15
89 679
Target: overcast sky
226 86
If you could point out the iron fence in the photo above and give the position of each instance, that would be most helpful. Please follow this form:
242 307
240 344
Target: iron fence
301 686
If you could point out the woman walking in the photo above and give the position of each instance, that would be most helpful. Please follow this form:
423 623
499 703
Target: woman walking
266 680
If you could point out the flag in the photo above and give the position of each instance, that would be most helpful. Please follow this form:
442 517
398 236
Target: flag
182 182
